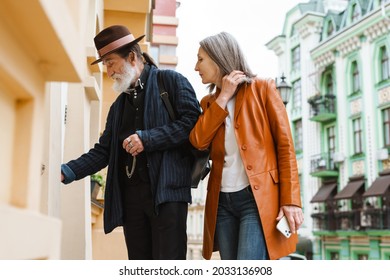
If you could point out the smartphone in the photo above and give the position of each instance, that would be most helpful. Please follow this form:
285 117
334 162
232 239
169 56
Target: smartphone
283 227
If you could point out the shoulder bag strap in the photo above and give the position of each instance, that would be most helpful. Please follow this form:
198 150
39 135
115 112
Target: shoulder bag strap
165 97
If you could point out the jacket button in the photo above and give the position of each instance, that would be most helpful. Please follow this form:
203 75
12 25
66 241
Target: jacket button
237 126
249 167
256 187
243 147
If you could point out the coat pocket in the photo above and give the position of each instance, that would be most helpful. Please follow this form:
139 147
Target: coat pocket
274 175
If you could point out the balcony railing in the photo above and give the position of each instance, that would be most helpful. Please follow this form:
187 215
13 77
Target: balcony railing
324 221
375 219
353 220
322 107
348 220
322 165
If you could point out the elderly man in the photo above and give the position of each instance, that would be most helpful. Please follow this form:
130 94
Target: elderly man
149 164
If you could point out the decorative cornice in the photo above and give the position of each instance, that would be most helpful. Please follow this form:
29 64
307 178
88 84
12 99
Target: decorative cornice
377 30
278 45
309 28
325 59
349 45
350 38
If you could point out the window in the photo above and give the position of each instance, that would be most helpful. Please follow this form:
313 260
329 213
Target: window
331 139
329 84
330 29
296 58
386 127
385 64
362 256
357 136
297 94
298 135
355 77
355 15
331 144
334 256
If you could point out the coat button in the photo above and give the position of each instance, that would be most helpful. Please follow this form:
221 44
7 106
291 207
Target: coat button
243 147
237 126
249 167
256 187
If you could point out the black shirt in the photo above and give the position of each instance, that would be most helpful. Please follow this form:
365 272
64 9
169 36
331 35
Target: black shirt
132 120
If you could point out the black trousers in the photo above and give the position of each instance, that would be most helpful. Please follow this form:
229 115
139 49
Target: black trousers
149 236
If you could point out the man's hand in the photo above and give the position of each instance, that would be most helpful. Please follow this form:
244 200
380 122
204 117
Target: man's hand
133 145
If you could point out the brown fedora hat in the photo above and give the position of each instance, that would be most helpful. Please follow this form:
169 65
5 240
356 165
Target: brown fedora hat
113 38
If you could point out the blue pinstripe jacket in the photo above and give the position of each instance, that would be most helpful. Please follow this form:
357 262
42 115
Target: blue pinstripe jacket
169 167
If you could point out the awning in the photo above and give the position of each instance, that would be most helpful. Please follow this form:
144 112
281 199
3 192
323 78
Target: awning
350 190
325 192
379 187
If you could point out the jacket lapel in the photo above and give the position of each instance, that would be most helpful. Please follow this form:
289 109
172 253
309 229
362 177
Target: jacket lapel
239 100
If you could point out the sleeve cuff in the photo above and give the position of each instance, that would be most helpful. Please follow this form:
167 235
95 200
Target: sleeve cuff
139 133
69 175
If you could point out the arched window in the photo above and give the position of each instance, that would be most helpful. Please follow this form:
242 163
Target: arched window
355 13
355 77
330 29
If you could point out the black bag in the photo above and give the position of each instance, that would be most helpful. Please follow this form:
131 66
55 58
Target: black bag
201 165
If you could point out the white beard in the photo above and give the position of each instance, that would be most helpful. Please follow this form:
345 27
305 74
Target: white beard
124 80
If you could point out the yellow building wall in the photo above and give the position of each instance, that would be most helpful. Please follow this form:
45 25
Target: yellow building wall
37 47
53 106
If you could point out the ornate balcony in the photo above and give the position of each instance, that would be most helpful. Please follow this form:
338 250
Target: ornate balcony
322 108
322 165
348 220
375 219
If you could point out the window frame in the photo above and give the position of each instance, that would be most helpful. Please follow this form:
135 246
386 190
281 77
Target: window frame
355 77
384 64
357 136
296 58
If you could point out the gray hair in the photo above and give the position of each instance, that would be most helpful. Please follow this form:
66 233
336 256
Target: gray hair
125 51
225 51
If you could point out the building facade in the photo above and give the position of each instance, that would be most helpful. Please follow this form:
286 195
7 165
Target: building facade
164 40
53 105
336 57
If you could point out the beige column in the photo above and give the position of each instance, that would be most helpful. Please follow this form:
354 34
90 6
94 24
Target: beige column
76 197
52 154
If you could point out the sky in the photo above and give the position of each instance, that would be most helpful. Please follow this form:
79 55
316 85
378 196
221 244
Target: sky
252 22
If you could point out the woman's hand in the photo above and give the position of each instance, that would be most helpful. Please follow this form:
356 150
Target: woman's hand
229 86
294 216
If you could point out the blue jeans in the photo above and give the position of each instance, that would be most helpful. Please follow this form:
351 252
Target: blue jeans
239 232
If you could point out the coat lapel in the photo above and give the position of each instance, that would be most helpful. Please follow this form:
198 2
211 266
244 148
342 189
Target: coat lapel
239 100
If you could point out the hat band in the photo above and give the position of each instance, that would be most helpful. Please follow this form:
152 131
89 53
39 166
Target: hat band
116 44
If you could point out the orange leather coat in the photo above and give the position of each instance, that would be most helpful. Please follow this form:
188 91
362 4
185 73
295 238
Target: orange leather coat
267 150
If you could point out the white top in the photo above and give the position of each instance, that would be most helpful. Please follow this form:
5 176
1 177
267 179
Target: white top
234 177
